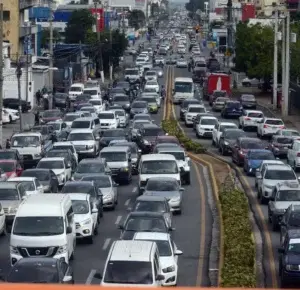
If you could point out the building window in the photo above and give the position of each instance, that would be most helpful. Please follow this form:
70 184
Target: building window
6 15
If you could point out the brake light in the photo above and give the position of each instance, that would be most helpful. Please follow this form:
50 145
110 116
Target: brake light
282 127
298 154
266 126
247 118
241 152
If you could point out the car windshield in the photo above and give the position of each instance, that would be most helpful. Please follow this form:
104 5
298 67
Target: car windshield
255 115
39 226
280 175
162 185
233 134
88 109
153 132
128 272
77 187
294 220
209 121
146 224
149 90
131 72
290 133
60 96
142 117
233 105
151 73
177 155
25 141
90 167
64 147
8 166
113 133
80 137
183 87
151 206
150 100
51 164
35 272
164 248
138 125
106 116
71 118
139 105
114 156
252 144
274 122
294 247
51 114
75 89
221 100
288 195
9 194
259 155
81 124
121 99
57 153
283 140
28 185
80 206
151 84
90 92
100 181
159 167
56 126
41 175
196 110
224 127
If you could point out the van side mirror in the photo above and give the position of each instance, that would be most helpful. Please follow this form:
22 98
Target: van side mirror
69 230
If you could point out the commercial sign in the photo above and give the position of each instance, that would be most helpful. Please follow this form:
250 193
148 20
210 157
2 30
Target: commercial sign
99 13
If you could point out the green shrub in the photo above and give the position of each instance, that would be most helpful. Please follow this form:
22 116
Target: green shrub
171 127
239 248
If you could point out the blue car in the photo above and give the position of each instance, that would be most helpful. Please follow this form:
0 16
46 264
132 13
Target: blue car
232 109
254 158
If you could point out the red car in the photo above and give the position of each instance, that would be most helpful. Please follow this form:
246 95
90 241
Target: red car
11 168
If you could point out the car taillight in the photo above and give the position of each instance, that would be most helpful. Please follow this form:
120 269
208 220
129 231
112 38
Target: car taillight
241 152
282 127
266 126
298 154
247 118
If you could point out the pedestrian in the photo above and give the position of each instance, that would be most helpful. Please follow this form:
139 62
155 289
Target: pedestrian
37 118
7 144
38 96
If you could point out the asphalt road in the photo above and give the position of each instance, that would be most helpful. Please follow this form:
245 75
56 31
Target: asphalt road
192 236
270 239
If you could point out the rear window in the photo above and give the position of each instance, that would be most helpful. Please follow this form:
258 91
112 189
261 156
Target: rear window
274 122
255 115
284 140
233 105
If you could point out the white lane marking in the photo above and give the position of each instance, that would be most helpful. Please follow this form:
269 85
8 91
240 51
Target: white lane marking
119 217
127 202
134 189
90 277
106 244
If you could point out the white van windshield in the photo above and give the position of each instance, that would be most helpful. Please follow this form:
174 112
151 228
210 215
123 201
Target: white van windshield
183 87
128 272
39 226
159 167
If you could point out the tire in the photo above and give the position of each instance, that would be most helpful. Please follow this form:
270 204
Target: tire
96 230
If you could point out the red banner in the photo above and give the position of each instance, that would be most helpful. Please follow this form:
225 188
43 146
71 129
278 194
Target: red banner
100 18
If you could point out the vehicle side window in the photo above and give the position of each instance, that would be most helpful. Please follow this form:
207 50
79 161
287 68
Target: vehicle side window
286 242
22 191
37 183
70 216
296 146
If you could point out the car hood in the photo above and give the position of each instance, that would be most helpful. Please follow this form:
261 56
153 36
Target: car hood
138 110
82 143
58 171
230 141
122 103
167 261
206 126
78 176
167 194
105 121
48 119
271 182
81 217
150 139
106 190
285 204
145 177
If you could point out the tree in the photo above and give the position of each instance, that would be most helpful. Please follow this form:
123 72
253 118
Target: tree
45 37
136 19
80 26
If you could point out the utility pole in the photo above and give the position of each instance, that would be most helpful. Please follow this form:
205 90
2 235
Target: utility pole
1 70
123 21
287 68
100 61
19 74
28 58
282 64
108 14
50 95
275 65
229 24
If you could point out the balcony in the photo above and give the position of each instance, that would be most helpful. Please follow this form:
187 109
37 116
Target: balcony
25 4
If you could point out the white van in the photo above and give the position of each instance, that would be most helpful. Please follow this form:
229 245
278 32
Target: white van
183 89
44 226
132 263
94 92
154 165
75 90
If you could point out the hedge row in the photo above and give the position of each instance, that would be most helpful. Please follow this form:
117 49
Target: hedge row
171 127
239 269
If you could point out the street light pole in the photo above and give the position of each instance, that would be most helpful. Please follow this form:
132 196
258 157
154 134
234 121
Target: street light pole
287 68
19 74
275 65
50 94
283 44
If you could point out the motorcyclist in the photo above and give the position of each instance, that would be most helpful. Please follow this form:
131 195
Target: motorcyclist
163 91
37 118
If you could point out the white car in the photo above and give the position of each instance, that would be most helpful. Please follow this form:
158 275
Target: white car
91 110
5 117
181 63
205 126
59 166
247 82
64 146
168 254
76 90
191 112
151 75
250 119
123 119
108 120
97 104
95 93
219 129
293 155
30 184
2 221
152 85
132 74
268 127
85 215
13 115
140 60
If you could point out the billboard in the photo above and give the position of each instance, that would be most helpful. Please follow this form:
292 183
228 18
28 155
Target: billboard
248 11
99 12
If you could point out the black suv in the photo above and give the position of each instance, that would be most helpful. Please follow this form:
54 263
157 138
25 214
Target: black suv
290 221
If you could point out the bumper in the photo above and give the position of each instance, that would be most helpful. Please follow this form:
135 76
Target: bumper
218 107
84 232
232 114
204 133
170 279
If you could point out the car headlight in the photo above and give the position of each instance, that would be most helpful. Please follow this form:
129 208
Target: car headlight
86 222
226 143
292 267
125 169
13 210
146 142
90 146
175 199
14 250
169 269
62 249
